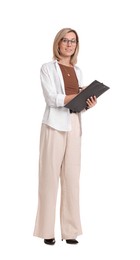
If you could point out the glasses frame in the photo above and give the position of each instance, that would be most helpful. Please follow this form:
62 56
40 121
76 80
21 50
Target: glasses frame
66 41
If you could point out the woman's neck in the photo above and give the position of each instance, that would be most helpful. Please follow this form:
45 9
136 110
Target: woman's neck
65 62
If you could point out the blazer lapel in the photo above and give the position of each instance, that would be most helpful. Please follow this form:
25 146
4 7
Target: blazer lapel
60 76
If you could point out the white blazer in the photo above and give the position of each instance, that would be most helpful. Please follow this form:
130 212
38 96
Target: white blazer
56 115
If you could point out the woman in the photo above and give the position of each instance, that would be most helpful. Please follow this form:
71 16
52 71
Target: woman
60 142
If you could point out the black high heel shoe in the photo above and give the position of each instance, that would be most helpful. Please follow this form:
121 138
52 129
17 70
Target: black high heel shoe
71 241
50 241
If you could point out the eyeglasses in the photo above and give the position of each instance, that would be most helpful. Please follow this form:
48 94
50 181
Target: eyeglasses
66 41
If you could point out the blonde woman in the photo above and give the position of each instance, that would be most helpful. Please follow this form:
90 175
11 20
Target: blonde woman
60 142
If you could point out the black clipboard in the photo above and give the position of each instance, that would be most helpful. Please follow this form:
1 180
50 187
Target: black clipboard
78 103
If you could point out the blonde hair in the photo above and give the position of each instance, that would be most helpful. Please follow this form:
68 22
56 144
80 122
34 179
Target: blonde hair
59 36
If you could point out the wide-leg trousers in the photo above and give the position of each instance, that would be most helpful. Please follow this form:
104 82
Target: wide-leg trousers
60 158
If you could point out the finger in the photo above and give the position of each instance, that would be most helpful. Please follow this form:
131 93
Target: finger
88 101
95 99
91 101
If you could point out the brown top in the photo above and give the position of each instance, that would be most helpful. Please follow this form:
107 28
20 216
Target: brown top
70 80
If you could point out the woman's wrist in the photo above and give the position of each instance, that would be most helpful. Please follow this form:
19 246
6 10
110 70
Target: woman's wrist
68 98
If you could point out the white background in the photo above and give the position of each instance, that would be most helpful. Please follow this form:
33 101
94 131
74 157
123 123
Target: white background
110 187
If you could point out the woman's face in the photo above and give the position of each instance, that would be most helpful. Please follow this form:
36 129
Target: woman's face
68 45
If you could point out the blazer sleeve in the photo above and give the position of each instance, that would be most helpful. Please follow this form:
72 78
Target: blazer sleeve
52 98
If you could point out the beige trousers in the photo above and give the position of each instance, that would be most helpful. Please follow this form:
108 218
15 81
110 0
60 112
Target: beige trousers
60 157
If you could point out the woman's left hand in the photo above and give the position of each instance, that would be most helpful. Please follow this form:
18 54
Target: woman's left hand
91 102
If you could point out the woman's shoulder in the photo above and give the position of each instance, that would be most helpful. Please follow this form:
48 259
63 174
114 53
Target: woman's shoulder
48 64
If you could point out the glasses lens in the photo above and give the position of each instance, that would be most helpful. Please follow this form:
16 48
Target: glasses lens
73 41
66 41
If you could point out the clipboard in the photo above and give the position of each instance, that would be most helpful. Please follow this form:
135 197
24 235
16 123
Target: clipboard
78 103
